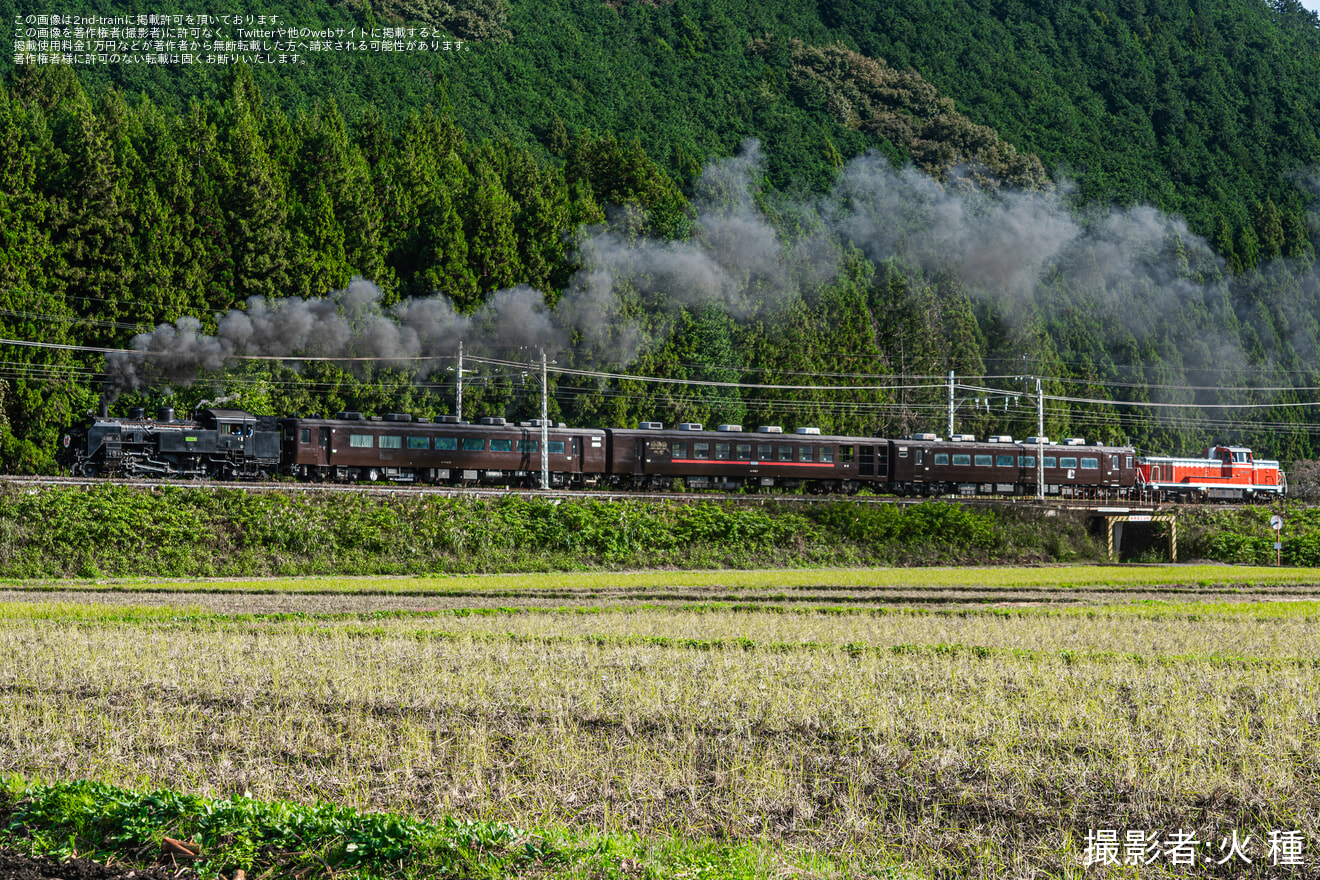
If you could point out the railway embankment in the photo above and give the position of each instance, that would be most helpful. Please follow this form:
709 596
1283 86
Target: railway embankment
122 531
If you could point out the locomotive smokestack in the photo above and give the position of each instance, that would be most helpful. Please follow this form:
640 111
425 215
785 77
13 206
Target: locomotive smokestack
104 409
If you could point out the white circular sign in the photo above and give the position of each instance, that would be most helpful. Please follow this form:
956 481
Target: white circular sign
1276 522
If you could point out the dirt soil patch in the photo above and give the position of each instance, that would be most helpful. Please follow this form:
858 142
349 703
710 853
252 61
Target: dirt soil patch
15 866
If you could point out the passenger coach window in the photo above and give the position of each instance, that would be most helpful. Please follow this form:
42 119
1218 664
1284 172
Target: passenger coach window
845 454
721 451
425 442
1090 464
1051 461
1003 461
805 453
391 441
744 451
361 441
962 459
764 452
1068 462
556 447
827 453
470 444
501 446
1026 461
680 450
528 445
786 453
941 458
701 450
983 460
305 435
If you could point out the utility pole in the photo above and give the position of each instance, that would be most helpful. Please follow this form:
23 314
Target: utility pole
458 393
1040 442
545 426
950 435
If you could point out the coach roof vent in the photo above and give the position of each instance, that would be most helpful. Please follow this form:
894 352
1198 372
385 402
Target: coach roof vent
808 430
1074 441
536 423
349 416
728 427
1038 441
493 421
651 426
929 438
689 426
447 420
999 438
963 438
398 417
769 429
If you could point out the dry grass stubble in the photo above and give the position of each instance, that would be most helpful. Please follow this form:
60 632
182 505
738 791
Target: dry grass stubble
956 762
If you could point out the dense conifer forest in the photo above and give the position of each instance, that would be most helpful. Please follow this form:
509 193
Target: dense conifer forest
1117 197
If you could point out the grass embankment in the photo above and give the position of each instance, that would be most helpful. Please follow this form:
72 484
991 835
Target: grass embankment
119 531
720 740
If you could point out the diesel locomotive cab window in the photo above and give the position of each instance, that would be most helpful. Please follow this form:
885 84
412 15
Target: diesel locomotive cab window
680 451
765 452
1003 461
722 451
786 453
1051 461
1090 464
501 446
701 450
805 453
827 454
744 451
555 447
1068 462
305 436
470 444
391 441
528 445
425 443
983 460
962 459
360 441
941 458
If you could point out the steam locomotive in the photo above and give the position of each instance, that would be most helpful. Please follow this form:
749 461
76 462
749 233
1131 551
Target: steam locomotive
398 448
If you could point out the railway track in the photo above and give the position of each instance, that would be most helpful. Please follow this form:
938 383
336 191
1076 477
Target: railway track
757 498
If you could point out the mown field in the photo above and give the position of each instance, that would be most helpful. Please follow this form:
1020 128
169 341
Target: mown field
901 723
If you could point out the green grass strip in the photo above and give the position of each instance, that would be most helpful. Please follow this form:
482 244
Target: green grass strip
280 839
1059 577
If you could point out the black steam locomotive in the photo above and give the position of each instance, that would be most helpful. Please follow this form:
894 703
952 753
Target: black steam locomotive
217 444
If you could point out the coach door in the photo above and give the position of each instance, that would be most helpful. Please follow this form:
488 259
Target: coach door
323 447
575 466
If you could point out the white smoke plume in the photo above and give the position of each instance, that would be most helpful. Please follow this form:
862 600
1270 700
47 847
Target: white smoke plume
1030 254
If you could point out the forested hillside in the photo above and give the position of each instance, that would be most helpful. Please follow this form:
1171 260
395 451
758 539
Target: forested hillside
1114 197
